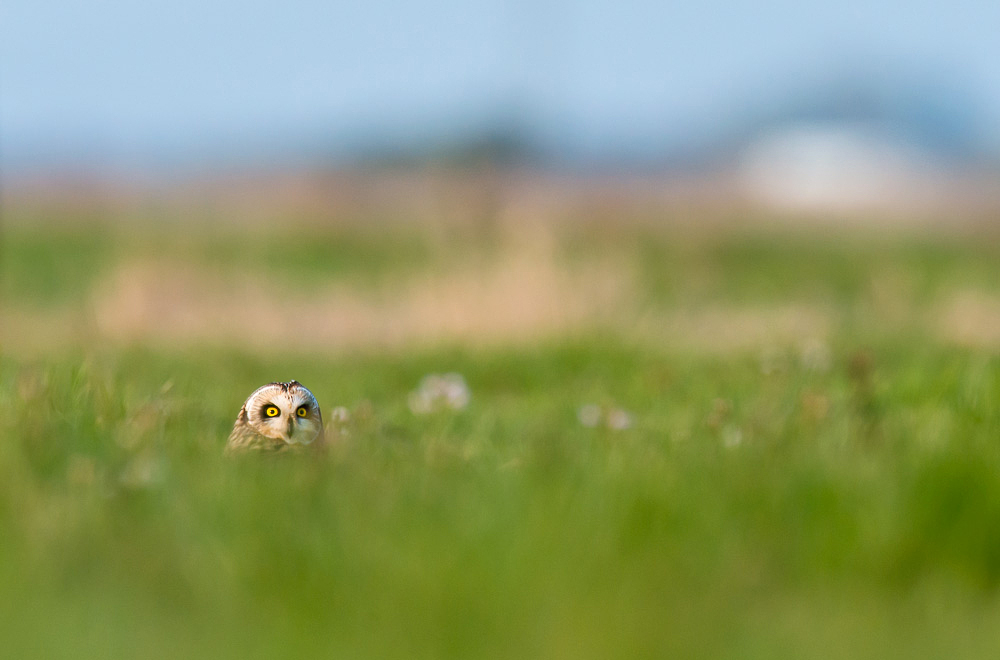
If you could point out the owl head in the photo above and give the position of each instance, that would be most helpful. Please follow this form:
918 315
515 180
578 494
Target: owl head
277 416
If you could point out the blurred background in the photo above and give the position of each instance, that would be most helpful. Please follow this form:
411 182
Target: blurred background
419 120
783 103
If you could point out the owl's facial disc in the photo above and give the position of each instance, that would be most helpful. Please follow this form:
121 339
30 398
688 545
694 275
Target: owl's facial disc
290 419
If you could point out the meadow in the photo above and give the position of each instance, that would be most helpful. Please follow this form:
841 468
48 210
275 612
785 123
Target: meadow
729 441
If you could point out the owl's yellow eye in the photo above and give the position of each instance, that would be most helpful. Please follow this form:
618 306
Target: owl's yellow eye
302 411
271 411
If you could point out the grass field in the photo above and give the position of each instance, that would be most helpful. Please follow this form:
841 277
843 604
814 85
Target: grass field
802 459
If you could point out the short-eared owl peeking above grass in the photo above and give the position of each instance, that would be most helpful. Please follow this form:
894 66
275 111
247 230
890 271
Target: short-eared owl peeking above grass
276 417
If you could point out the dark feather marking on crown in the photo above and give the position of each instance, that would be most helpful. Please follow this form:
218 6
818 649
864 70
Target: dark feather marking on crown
284 386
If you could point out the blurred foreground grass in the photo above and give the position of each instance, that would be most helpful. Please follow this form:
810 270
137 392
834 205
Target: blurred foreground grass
829 488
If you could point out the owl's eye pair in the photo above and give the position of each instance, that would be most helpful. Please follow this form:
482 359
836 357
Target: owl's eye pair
272 411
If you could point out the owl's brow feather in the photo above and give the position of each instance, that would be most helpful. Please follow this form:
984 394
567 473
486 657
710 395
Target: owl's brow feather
285 386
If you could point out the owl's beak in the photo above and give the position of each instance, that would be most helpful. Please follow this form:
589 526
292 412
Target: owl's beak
291 428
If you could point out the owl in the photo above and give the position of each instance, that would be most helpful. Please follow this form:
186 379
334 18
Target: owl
276 417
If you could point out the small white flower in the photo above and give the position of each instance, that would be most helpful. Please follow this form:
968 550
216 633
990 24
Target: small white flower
340 415
732 436
618 419
589 415
456 392
340 419
592 416
438 392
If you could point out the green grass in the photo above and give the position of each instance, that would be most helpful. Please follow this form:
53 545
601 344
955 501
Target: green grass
757 507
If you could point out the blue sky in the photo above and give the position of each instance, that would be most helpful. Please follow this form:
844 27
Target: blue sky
130 81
